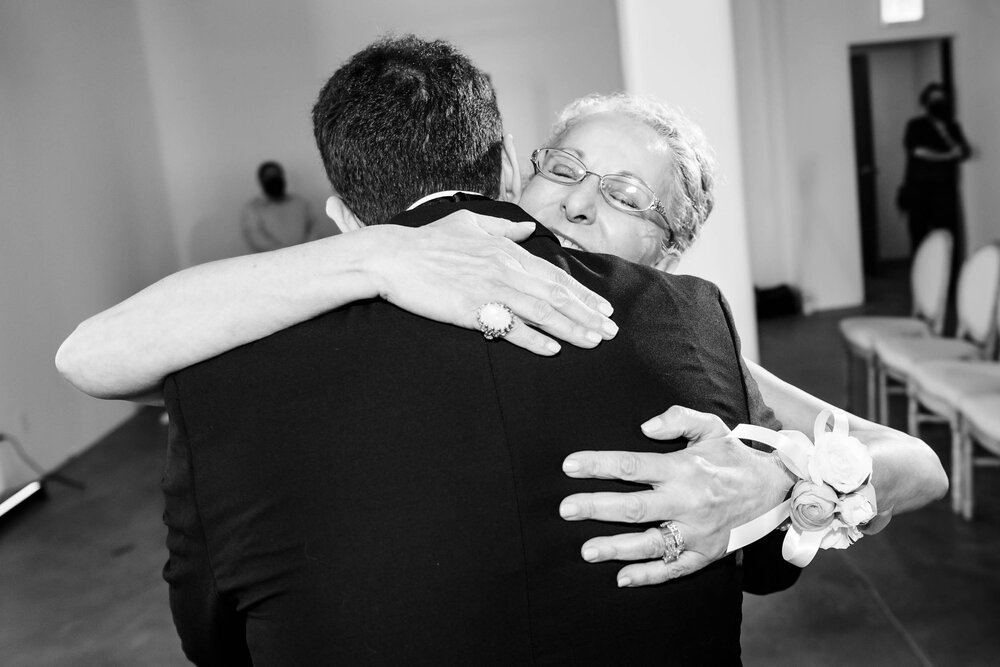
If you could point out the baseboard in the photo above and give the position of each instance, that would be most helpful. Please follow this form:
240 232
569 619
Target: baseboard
11 499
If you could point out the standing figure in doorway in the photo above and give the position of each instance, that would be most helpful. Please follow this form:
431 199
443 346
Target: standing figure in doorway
276 219
935 145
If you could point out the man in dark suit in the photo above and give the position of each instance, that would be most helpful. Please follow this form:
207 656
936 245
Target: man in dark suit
300 532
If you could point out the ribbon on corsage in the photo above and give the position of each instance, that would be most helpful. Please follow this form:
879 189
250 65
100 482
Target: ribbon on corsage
834 494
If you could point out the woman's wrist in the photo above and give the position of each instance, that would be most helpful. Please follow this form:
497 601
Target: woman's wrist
781 478
351 266
373 262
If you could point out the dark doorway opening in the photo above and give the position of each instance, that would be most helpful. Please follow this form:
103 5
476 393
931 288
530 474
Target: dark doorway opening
886 80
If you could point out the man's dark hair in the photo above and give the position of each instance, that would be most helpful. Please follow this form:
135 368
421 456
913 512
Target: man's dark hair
270 165
403 118
930 89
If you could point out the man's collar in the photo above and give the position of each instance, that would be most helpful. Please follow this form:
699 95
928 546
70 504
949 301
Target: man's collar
446 194
419 215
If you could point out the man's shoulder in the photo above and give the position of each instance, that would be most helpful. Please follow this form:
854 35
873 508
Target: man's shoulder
254 203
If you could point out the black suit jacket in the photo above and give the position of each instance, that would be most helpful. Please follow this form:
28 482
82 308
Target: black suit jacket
371 487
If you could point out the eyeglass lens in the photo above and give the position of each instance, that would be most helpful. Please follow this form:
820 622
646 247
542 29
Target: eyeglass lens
621 191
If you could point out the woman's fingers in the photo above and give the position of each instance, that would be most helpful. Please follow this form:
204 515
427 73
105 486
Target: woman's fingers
547 316
632 507
646 545
560 309
515 231
681 422
547 271
656 571
465 260
642 467
595 305
524 336
649 547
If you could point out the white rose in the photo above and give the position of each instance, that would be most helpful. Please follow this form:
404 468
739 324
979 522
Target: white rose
841 461
813 505
840 538
855 509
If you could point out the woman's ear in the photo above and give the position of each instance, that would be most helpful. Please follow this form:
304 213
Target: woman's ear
341 215
510 171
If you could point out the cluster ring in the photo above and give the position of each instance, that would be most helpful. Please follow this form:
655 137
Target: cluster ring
495 319
673 542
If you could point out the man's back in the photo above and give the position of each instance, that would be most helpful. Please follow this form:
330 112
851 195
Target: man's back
376 488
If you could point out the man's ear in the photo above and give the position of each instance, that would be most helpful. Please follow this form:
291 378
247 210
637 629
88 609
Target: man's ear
510 171
341 215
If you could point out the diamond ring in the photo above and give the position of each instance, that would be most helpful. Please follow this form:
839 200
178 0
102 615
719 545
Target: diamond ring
673 543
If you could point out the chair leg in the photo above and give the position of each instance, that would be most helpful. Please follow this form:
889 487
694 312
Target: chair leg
849 375
912 409
872 384
882 416
967 477
958 438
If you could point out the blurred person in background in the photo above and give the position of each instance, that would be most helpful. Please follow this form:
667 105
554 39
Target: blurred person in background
935 147
276 218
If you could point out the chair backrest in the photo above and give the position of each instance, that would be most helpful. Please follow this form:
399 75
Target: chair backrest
976 301
929 278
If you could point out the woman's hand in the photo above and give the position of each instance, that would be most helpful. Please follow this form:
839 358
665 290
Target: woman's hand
446 270
714 485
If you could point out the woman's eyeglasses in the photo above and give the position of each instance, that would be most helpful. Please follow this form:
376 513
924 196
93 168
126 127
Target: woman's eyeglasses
623 192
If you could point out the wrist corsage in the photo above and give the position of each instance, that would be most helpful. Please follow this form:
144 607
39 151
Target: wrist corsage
834 497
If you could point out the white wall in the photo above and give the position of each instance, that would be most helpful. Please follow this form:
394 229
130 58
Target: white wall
84 214
234 82
683 53
792 59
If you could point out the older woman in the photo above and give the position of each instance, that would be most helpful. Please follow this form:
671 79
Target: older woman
619 175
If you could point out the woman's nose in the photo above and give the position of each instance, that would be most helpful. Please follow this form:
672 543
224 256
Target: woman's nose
580 203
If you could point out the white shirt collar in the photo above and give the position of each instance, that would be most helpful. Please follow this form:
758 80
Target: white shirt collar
442 193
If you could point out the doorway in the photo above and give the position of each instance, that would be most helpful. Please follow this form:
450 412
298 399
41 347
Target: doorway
886 79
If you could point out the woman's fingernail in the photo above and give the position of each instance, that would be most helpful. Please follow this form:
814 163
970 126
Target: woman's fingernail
594 337
571 465
652 424
590 554
552 346
567 510
623 582
605 308
610 328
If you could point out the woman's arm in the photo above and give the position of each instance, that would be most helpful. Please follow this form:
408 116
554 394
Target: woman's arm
716 483
443 271
907 474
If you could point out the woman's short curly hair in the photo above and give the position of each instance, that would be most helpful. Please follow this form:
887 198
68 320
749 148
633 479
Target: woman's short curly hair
692 180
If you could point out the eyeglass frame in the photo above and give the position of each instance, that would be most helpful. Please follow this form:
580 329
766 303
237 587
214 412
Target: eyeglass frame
655 205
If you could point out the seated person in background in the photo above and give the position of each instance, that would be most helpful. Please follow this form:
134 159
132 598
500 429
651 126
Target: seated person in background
277 218
592 217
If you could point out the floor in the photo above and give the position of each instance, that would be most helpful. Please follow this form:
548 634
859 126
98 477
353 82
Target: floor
926 591
80 570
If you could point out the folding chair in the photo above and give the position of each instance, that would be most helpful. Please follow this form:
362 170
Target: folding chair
929 287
